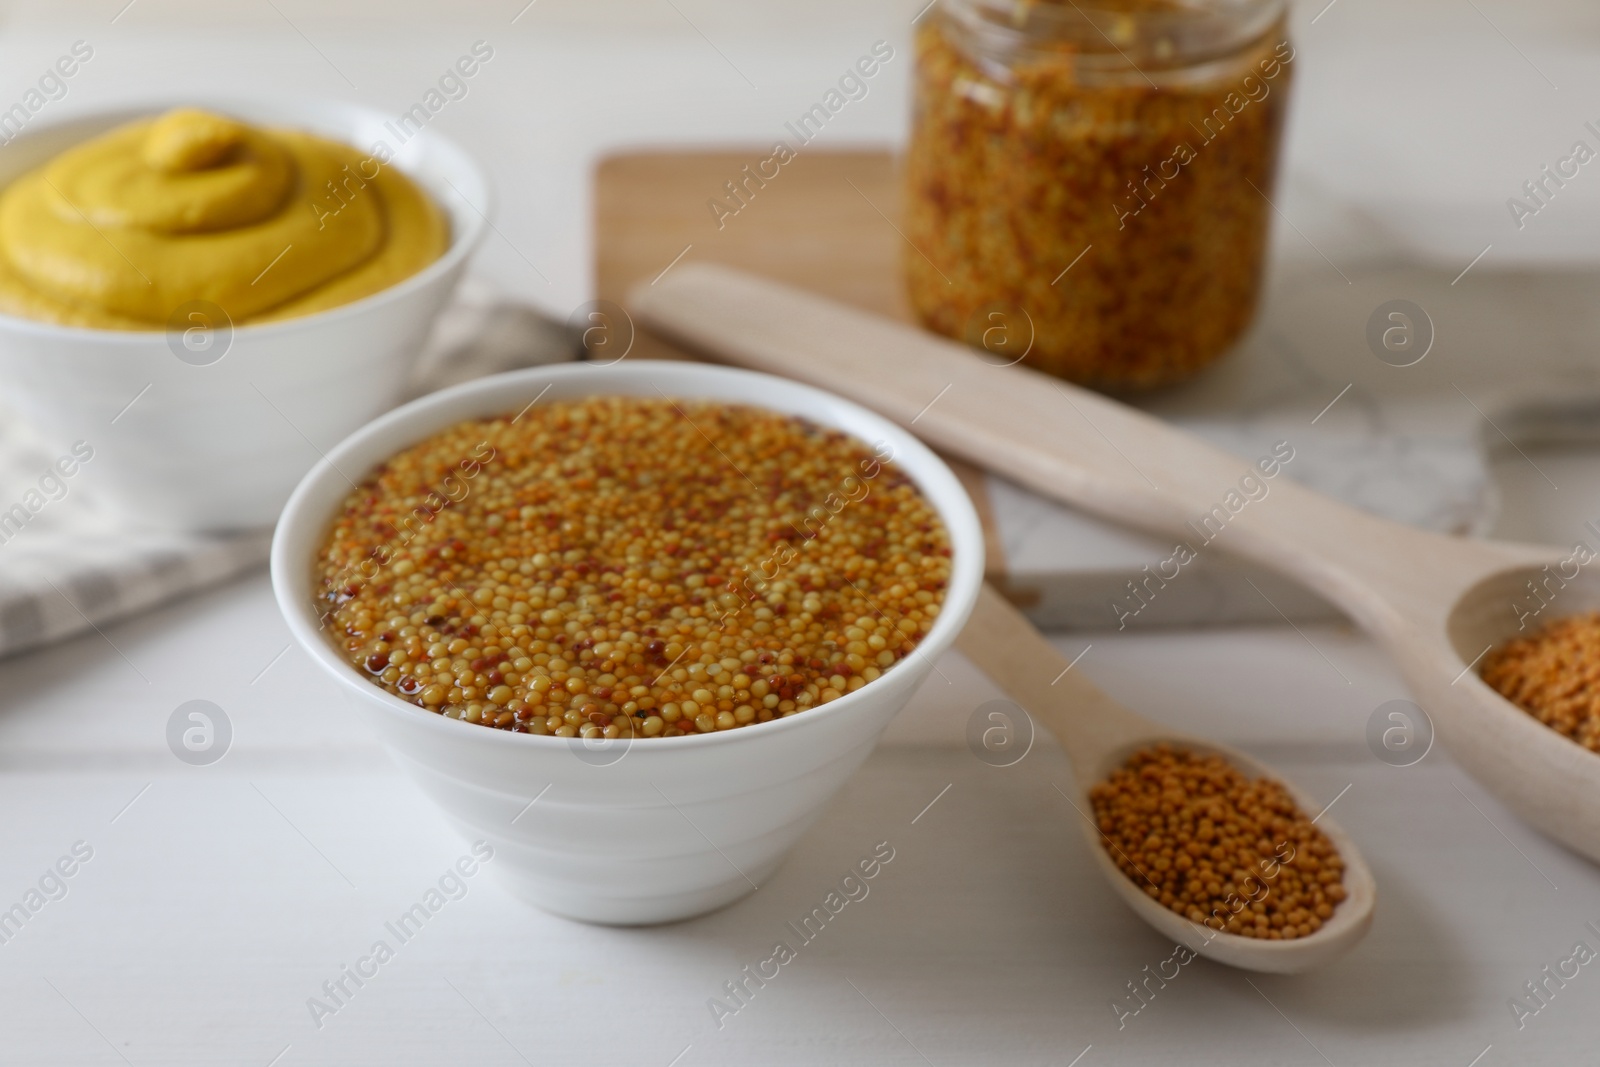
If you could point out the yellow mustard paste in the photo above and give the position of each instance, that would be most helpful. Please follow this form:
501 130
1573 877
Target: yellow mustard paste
119 231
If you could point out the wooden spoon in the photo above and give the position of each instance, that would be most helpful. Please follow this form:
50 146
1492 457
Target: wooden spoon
1099 735
1436 603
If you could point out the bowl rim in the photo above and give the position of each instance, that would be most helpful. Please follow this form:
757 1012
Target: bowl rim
925 468
463 240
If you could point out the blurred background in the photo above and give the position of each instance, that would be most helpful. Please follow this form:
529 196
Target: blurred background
1417 119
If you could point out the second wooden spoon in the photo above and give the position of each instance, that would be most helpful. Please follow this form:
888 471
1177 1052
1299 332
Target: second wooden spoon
1099 735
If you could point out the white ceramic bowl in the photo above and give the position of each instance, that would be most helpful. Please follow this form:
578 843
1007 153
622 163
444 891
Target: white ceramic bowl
664 828
221 445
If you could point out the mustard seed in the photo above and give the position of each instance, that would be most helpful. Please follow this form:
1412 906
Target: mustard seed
1554 675
632 567
1229 852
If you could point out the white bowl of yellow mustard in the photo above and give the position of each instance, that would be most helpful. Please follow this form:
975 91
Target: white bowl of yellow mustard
210 298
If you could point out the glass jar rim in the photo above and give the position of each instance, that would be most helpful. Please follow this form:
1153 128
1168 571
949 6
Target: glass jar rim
1098 35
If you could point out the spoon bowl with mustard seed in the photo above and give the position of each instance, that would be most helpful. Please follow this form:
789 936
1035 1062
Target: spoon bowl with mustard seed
1204 843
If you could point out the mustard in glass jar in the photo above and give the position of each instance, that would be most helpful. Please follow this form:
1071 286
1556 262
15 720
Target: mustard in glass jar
1097 178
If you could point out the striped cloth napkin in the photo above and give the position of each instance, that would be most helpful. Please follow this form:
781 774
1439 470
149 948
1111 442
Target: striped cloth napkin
73 566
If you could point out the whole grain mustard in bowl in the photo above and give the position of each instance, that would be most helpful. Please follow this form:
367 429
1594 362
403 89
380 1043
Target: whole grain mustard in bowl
634 625
212 296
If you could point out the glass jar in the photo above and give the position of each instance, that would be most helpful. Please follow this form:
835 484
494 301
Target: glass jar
1090 186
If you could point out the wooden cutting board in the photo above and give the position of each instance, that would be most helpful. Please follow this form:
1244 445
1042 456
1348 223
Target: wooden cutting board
823 223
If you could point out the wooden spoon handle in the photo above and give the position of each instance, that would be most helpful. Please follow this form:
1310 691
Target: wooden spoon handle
1016 657
1065 442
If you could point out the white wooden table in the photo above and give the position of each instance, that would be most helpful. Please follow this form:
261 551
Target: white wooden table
219 899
